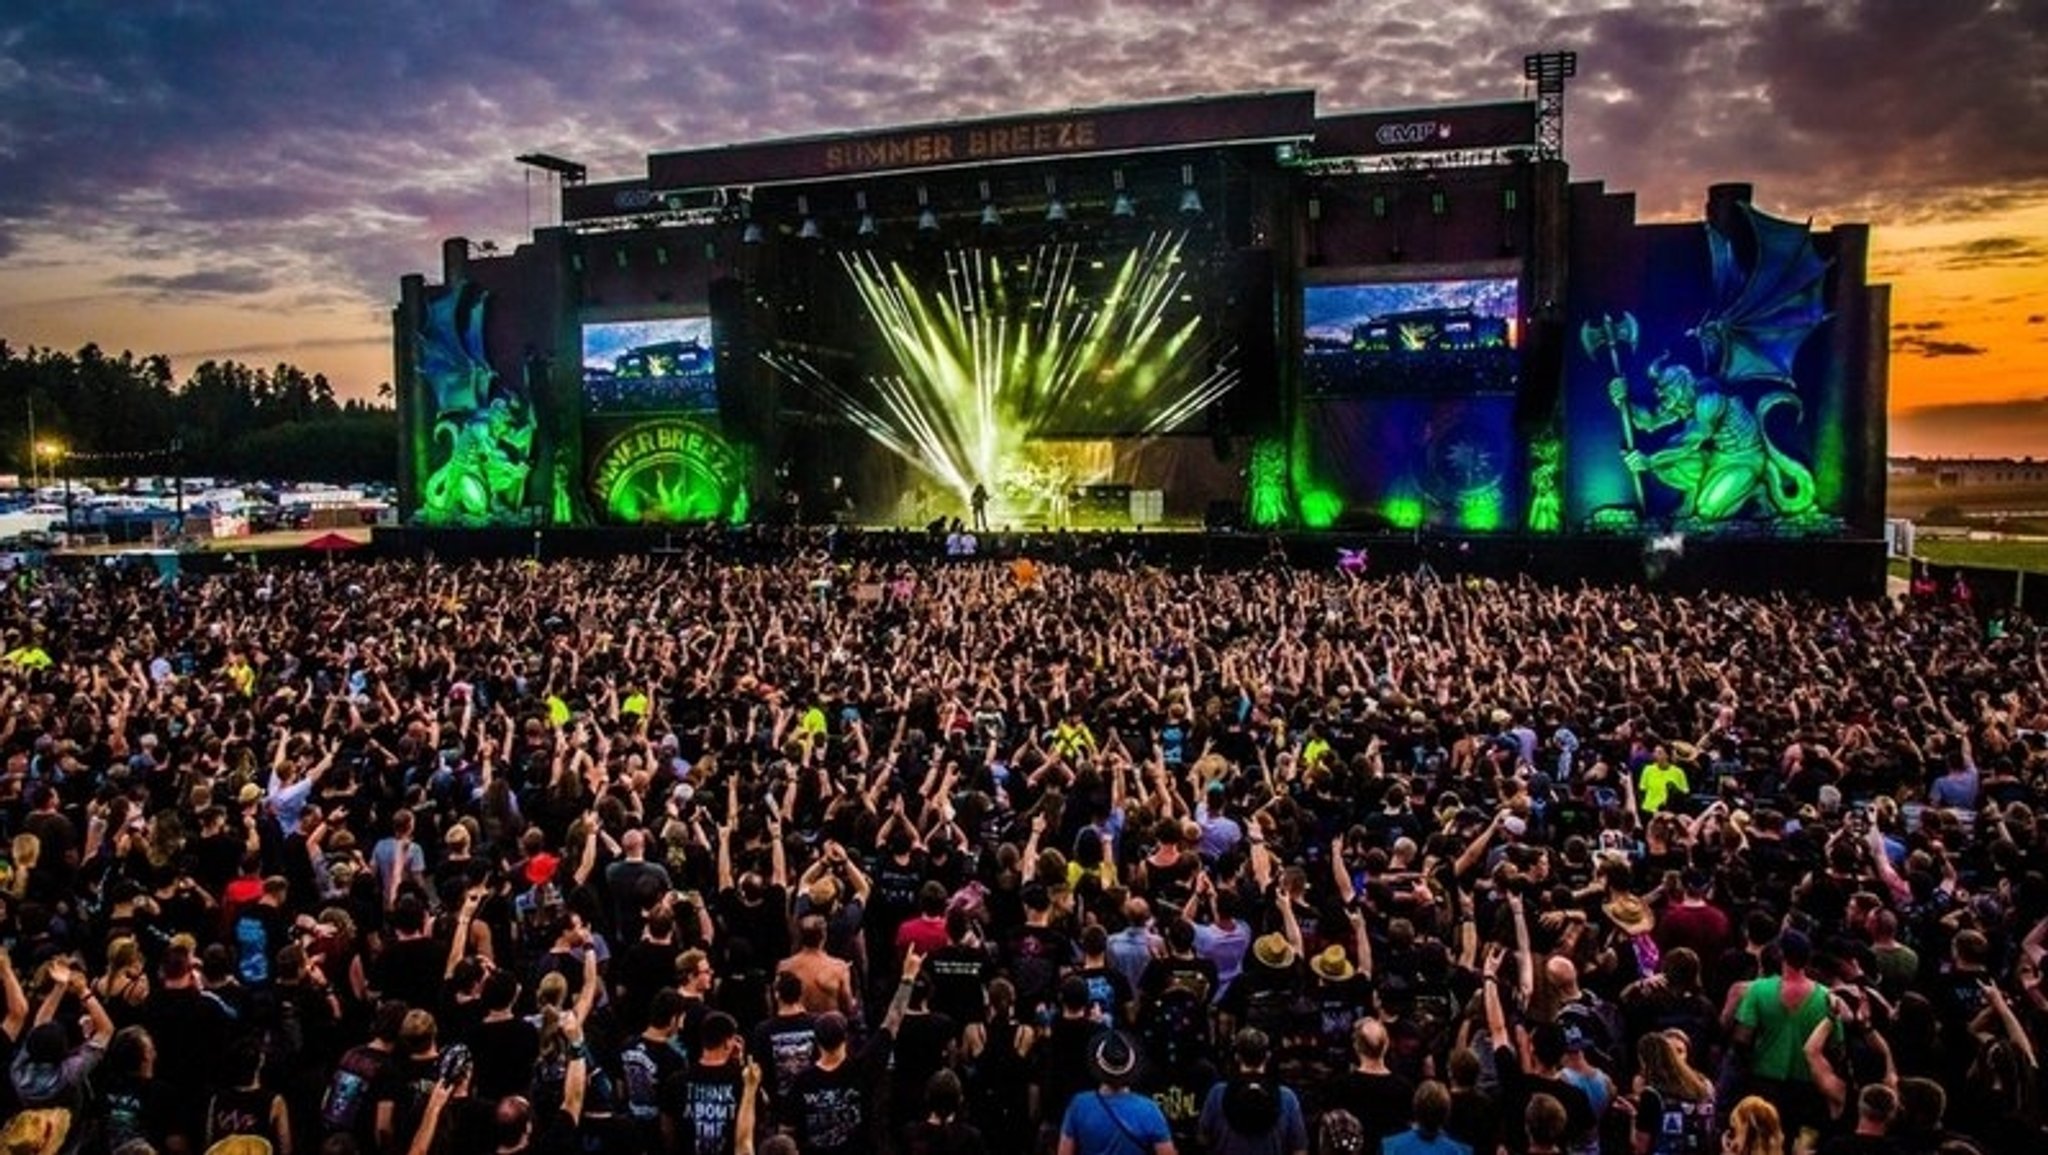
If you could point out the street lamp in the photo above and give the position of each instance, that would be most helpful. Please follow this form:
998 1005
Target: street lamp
54 453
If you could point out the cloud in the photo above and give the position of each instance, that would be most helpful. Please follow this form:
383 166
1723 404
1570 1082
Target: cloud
1985 252
281 348
2037 318
337 144
2015 428
1931 348
237 281
1919 326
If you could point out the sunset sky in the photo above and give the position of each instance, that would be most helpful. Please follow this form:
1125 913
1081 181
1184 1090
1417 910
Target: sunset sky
249 180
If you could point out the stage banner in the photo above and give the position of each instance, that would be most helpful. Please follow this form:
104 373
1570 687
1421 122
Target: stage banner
1222 120
1411 463
1696 390
1366 134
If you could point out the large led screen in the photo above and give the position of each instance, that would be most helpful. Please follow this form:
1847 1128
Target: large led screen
1394 337
660 366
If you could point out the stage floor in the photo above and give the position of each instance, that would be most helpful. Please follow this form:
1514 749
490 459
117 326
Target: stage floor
1835 567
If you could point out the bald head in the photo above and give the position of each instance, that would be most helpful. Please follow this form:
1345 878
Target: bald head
1369 1039
634 844
1561 973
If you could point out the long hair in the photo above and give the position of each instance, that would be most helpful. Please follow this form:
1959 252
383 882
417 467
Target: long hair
1667 1072
1755 1127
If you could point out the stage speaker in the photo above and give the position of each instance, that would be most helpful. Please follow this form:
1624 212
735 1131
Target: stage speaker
1543 359
1223 517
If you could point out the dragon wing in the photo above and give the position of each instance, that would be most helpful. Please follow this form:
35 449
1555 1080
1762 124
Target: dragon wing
1766 312
451 348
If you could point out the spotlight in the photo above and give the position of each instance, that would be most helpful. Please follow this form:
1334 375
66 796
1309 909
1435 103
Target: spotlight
927 220
1055 208
867 219
990 217
810 230
1123 207
1190 200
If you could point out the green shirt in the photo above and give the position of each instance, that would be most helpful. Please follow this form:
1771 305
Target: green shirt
1654 791
1779 1032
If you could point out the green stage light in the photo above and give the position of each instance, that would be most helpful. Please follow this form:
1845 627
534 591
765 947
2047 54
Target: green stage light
1320 508
1403 512
1266 483
1480 512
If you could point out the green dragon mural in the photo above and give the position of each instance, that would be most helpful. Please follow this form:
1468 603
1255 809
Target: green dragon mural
483 427
1702 436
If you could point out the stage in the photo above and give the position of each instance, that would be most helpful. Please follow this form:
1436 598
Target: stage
1403 331
1835 568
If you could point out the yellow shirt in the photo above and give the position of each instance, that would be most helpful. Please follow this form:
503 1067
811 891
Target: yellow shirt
1658 782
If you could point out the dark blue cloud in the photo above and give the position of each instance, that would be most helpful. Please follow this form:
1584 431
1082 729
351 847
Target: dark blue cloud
335 143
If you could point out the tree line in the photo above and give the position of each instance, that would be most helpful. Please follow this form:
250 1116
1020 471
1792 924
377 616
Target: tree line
130 416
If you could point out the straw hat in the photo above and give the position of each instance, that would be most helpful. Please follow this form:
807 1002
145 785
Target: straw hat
1273 950
241 1145
36 1132
1332 964
1631 914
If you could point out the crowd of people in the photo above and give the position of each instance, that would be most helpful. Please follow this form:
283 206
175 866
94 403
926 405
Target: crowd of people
799 854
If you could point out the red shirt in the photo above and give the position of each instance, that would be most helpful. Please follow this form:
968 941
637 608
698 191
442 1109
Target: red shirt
927 933
1703 929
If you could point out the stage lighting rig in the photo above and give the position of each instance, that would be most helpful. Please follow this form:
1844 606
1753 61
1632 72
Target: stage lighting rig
569 171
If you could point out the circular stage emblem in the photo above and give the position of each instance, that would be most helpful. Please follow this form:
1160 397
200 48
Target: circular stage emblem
667 472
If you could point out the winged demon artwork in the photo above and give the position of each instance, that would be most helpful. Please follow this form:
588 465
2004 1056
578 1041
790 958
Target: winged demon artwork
483 426
1706 431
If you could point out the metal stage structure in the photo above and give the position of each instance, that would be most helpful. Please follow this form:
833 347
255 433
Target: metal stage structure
1236 315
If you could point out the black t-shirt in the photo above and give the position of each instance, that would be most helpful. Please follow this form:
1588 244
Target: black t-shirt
1518 1087
1382 1104
784 1046
959 979
133 1109
640 970
925 1137
505 1054
921 1043
410 970
834 1112
405 1084
652 1073
1034 956
710 1108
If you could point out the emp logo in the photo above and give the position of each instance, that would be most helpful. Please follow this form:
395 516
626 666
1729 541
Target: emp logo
1414 132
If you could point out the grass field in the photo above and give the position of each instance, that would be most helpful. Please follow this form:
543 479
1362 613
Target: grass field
2031 556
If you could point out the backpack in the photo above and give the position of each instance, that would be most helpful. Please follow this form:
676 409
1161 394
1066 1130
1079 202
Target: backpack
1176 1029
1681 1127
1340 1133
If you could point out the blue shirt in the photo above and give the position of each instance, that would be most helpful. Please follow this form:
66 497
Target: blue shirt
1114 1123
1411 1142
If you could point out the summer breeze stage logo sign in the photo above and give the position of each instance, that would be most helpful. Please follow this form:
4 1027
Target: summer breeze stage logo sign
669 471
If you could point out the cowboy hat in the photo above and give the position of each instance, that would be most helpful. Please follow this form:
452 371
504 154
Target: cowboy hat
1273 950
36 1132
1631 914
1332 964
1113 1058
